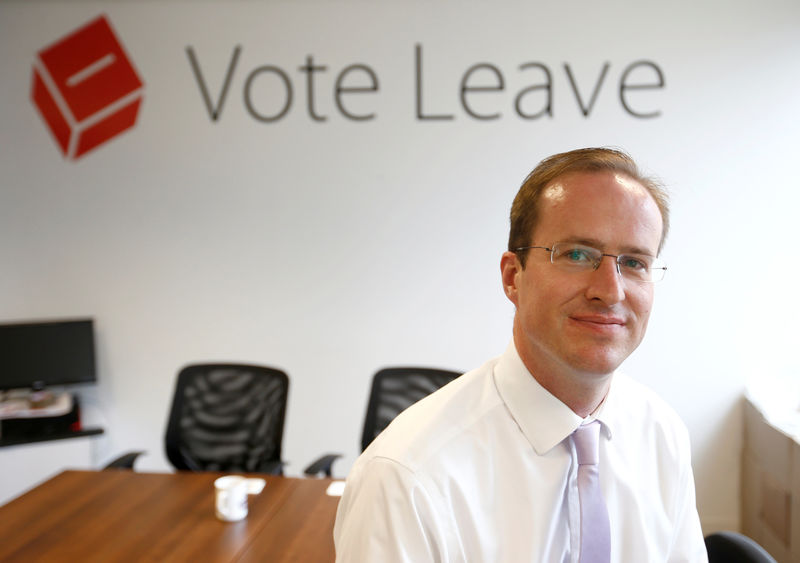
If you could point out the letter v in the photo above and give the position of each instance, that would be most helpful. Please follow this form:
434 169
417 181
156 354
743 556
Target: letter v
213 112
586 109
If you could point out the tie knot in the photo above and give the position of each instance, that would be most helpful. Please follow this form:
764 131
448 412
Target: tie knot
586 438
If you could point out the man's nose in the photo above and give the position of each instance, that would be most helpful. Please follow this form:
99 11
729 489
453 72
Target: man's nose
606 282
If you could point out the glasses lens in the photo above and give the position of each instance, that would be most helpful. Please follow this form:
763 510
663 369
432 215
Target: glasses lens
634 266
641 267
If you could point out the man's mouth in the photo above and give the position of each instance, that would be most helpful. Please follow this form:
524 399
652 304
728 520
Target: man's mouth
599 322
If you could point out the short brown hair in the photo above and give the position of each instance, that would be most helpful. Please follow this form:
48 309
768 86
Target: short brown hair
525 209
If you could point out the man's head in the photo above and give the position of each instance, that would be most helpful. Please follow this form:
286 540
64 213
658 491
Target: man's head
525 209
576 323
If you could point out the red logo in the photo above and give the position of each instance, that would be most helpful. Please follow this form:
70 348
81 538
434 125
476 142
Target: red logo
86 88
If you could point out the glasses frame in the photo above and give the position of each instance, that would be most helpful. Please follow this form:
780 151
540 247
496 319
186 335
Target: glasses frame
656 277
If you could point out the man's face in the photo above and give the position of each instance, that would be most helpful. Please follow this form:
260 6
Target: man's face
585 322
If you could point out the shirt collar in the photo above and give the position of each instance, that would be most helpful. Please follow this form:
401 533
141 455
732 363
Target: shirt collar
609 406
544 420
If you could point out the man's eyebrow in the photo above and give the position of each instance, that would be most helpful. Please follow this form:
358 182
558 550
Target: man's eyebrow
594 243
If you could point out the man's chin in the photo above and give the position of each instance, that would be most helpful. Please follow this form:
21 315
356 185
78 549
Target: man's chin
599 366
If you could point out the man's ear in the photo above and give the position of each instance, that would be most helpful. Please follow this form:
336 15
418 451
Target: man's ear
510 268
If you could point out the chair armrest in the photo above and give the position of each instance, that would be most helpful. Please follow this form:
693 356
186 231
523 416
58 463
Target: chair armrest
273 467
124 461
322 465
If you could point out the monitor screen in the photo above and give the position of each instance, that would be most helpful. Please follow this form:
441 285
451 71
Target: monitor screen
38 354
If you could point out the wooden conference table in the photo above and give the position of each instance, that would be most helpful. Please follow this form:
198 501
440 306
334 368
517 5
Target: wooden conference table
120 515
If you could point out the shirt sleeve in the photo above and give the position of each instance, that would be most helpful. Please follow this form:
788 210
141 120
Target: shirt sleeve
386 515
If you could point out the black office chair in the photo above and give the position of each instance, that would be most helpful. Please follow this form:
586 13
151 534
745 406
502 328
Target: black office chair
393 390
732 547
225 417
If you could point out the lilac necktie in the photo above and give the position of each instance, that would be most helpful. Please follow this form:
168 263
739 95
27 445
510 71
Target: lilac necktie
595 529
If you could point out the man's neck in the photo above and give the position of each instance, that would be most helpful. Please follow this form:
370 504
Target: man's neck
582 392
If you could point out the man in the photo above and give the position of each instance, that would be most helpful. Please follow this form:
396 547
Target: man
491 467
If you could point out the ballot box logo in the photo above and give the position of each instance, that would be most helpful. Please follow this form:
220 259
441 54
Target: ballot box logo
86 88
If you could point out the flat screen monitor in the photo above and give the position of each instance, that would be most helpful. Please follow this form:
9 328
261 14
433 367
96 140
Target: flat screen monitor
51 353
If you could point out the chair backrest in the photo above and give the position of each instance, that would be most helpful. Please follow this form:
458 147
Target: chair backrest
227 417
733 547
395 389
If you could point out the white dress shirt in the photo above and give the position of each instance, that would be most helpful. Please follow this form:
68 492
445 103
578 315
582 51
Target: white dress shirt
483 470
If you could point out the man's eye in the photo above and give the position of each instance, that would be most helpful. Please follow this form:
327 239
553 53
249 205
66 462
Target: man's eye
633 263
577 255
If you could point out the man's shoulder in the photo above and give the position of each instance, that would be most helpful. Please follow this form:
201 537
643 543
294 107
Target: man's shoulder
638 406
427 427
634 392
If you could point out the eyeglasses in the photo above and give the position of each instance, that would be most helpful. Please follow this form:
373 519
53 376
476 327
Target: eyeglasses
572 257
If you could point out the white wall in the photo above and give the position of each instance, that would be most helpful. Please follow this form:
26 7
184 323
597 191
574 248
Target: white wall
331 249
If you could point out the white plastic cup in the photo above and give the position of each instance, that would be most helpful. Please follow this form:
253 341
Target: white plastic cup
231 498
